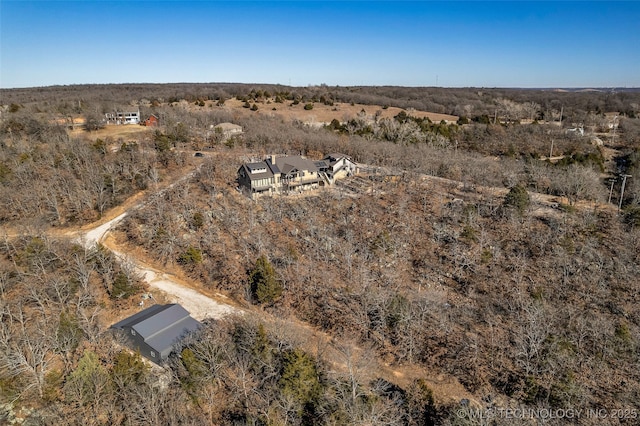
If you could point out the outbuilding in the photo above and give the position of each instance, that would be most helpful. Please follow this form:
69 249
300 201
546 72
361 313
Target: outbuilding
156 330
152 121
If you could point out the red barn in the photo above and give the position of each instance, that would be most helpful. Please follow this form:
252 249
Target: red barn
152 121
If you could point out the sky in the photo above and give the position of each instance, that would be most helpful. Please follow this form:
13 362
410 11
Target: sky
566 44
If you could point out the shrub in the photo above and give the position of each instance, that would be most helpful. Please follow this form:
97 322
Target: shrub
517 198
5 171
161 142
308 107
190 257
335 125
123 287
129 369
486 256
100 146
197 220
265 287
469 233
299 379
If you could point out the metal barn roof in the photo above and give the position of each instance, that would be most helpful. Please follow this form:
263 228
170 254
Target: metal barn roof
161 326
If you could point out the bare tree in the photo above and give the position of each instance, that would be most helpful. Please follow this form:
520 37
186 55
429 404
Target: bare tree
26 350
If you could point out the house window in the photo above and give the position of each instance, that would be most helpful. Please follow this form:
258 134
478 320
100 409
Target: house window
153 354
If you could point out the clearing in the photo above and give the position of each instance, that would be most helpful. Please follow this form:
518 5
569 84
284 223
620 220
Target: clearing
322 113
112 131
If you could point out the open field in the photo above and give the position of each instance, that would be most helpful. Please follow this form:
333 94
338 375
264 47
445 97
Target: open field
325 113
113 131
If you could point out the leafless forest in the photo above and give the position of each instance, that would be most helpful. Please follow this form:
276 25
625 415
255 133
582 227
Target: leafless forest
486 264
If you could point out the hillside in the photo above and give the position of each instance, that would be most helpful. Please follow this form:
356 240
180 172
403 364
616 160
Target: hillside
460 274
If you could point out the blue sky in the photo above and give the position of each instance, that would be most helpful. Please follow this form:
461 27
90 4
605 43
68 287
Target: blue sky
300 43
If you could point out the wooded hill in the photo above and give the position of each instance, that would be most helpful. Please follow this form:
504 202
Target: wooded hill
463 272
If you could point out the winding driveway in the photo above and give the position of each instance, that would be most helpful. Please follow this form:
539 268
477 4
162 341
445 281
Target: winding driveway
198 304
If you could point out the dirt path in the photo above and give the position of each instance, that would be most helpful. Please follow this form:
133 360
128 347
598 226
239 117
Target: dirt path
173 288
200 306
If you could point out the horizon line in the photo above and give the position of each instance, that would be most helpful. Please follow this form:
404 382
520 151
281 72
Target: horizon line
595 88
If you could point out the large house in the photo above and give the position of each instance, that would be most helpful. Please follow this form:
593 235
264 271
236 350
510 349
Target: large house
287 174
124 116
156 330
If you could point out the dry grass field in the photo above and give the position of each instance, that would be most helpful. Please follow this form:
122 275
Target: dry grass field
325 113
112 131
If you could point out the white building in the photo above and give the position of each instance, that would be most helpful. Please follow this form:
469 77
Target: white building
124 116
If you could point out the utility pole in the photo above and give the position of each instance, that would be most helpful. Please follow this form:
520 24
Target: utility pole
612 180
624 181
551 151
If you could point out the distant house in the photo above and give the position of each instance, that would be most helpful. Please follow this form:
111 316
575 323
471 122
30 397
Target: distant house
123 116
287 174
228 130
156 330
220 133
152 121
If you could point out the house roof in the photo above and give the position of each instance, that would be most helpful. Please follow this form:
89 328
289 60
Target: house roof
127 110
279 165
295 162
160 325
251 170
336 156
227 127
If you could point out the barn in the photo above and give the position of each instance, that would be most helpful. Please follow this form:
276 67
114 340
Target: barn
152 121
156 330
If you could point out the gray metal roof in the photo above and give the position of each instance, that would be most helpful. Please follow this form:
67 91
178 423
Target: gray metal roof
160 326
140 316
163 341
